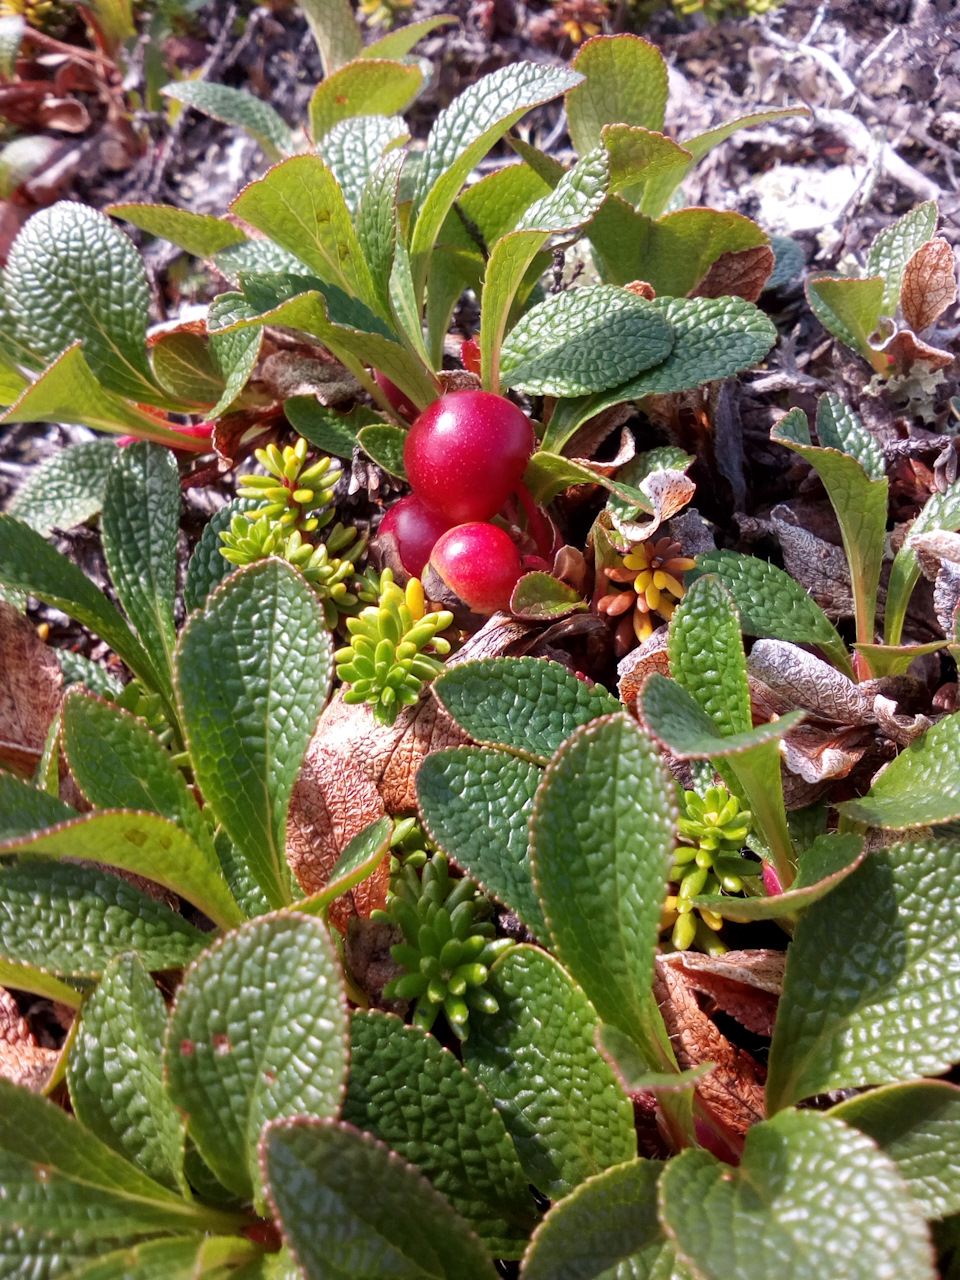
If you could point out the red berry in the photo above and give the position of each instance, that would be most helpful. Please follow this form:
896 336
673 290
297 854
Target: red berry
416 528
467 452
470 356
400 402
479 563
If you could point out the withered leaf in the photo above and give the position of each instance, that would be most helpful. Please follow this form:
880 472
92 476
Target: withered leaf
929 284
21 1058
739 273
816 753
820 567
30 680
669 491
798 679
745 984
291 373
641 662
906 349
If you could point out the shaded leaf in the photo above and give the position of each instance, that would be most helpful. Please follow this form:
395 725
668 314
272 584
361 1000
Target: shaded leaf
200 234
237 107
66 489
921 787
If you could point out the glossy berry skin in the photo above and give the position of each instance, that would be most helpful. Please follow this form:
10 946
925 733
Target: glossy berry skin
400 403
416 528
467 452
479 563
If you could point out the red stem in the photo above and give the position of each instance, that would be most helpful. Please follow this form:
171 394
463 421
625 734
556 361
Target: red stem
538 526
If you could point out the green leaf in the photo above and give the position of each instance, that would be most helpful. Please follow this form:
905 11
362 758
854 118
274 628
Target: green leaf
184 1258
870 993
851 468
406 308
29 563
918 1126
942 511
198 234
601 835
73 276
772 605
631 1071
920 788
207 567
80 670
678 722
73 920
642 163
527 706
355 148
367 87
331 432
584 340
118 763
68 392
259 1030
140 524
115 1072
25 808
384 444
376 221
299 204
236 107
828 861
577 197
184 365
253 669
335 30
706 655
12 28
321 1178
234 355
415 1096
849 308
895 245
23 977
476 804
548 474
540 597
465 132
790 260
812 1198
358 861
536 1057
626 83
144 844
896 660
253 256
399 42
606 1230
66 489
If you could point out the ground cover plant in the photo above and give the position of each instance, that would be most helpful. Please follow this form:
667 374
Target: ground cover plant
454 863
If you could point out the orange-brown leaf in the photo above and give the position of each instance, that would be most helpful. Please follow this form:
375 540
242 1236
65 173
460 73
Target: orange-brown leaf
929 284
21 1058
30 680
739 273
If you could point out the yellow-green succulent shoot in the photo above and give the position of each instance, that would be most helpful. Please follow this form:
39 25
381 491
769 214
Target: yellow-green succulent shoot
292 493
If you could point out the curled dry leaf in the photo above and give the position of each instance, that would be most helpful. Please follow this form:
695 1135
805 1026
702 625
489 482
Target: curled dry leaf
333 800
929 284
669 491
291 373
626 451
30 681
795 678
816 754
906 350
586 440
899 728
236 435
21 1058
819 566
733 1091
739 273
641 662
745 984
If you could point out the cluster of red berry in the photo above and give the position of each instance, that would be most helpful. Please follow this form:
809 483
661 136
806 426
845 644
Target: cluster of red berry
464 456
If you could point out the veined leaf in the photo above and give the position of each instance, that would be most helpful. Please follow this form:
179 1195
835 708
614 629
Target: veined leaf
707 657
258 1031
24 977
812 1198
577 1121
527 706
384 444
145 844
184 366
476 804
199 234
918 1126
328 430
71 276
319 1176
115 1072
584 340
413 1095
73 920
607 1227
895 245
399 42
772 604
871 990
235 106
850 309
676 720
600 836
29 563
66 489
234 354
641 163
376 220
181 1258
80 670
463 133
25 808
253 256
207 567
942 511
140 523
367 87
920 788
625 83
335 30
253 669
355 147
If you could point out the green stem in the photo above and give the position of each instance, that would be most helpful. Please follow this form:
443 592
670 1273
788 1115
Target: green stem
758 772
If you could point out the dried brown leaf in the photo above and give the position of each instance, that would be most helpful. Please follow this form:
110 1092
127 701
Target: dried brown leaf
744 984
669 491
30 680
929 284
291 373
739 273
815 753
21 1058
795 678
369 962
906 349
819 567
641 662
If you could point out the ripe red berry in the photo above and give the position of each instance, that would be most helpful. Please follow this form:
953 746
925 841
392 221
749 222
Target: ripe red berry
470 356
416 528
402 403
479 563
467 452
